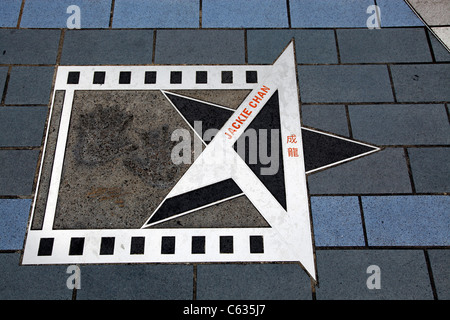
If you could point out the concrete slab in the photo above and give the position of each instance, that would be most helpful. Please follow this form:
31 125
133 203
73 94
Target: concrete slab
22 126
119 282
29 46
396 13
337 221
392 45
9 13
331 83
343 275
17 171
312 46
430 169
156 14
439 261
85 47
329 13
13 222
35 283
421 82
252 282
381 172
60 14
200 47
407 220
29 85
405 124
330 118
247 14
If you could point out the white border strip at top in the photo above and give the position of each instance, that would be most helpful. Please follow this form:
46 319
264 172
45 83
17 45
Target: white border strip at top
112 73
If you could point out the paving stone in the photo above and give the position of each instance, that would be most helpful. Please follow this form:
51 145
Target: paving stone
142 281
156 14
22 126
32 282
252 282
200 47
382 172
439 261
29 85
53 14
29 46
407 220
440 52
13 222
85 47
384 45
430 169
244 14
344 83
312 46
415 124
330 118
337 221
9 12
396 13
421 82
17 171
343 275
329 13
3 74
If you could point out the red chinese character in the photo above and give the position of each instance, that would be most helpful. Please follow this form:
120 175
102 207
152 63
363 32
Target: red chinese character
292 139
293 152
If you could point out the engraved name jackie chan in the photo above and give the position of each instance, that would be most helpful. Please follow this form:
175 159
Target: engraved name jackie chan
243 116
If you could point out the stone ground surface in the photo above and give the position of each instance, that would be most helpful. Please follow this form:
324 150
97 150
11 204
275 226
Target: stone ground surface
388 87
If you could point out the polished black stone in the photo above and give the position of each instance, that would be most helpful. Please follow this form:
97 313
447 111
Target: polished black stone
73 77
46 246
137 245
198 244
167 245
107 246
76 246
256 244
99 77
226 244
195 199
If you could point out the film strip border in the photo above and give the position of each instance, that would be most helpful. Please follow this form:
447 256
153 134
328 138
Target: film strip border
158 77
153 246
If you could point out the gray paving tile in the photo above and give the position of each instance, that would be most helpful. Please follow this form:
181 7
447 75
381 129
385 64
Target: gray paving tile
439 261
383 45
28 46
253 281
415 124
337 221
440 52
31 282
381 172
85 47
200 47
312 46
430 169
397 14
13 222
3 74
17 171
345 83
156 14
422 82
244 14
22 126
343 275
141 281
331 118
407 220
329 13
29 85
